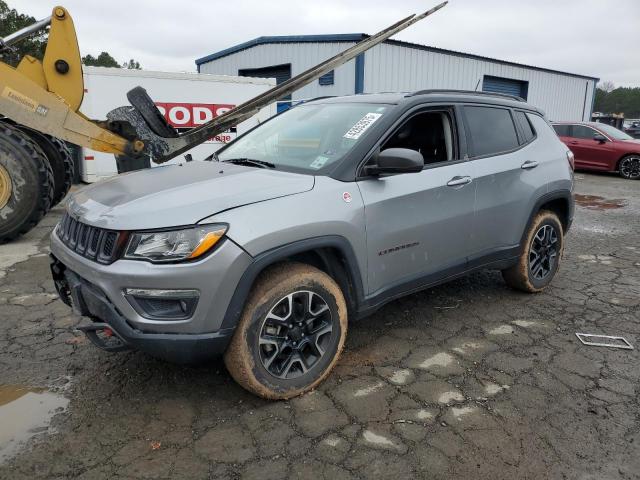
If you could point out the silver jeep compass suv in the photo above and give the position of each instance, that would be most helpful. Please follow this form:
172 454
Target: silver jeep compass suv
324 213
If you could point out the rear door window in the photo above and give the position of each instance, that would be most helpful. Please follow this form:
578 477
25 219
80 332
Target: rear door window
491 129
563 130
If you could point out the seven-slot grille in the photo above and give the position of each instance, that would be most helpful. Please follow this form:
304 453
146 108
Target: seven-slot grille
93 243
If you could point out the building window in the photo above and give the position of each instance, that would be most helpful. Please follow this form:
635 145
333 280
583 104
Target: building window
326 79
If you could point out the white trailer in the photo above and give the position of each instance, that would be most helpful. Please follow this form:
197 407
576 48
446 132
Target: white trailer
185 99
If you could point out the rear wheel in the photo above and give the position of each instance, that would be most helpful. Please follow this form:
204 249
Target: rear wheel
290 334
540 254
629 167
26 183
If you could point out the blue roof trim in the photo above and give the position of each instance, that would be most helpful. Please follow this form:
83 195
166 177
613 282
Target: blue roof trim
339 37
355 37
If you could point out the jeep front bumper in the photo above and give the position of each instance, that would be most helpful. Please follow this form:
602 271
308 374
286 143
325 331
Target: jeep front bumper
99 292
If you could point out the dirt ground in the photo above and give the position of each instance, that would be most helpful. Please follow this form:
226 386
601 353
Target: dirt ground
466 380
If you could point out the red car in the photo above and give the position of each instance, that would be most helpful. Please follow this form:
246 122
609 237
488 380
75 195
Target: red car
598 146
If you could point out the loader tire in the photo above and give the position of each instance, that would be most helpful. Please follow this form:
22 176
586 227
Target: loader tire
26 183
64 171
60 159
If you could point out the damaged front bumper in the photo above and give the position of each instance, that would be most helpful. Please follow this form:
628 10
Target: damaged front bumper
109 330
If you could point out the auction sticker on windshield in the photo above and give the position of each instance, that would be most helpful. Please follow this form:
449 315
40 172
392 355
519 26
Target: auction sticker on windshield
362 125
319 162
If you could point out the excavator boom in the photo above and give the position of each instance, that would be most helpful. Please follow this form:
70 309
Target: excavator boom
46 96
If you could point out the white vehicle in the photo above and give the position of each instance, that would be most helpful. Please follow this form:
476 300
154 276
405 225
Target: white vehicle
185 99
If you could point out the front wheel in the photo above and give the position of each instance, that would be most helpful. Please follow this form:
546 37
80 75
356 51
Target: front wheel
290 334
629 167
540 254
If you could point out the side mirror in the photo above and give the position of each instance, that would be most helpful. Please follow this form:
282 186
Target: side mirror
599 138
394 161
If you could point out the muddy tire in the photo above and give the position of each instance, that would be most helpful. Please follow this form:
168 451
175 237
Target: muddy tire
540 255
26 183
60 159
291 332
629 167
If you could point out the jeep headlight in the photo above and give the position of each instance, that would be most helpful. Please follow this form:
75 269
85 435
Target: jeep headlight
174 245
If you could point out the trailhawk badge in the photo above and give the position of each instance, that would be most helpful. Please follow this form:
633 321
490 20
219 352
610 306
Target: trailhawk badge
346 196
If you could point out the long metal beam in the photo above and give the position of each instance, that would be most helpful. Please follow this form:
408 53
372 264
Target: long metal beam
25 32
164 148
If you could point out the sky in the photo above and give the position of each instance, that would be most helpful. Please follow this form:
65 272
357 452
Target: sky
591 37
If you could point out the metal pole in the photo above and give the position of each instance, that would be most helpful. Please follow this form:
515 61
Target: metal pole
25 32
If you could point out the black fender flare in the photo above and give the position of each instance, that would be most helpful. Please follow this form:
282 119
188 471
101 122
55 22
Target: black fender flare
270 257
548 197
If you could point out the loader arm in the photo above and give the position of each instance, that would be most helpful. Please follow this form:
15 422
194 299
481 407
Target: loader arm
46 97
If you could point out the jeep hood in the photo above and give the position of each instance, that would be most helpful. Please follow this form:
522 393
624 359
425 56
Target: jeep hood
177 195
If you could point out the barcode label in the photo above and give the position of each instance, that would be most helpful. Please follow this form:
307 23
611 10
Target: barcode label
361 126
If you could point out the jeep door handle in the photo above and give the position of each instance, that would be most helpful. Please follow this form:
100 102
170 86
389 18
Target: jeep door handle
458 181
529 164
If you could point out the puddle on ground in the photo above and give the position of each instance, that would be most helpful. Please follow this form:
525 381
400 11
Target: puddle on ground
595 202
25 412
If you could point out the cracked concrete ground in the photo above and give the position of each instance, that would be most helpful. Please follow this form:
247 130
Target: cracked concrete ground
466 380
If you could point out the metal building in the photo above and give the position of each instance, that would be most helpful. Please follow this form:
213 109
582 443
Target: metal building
403 66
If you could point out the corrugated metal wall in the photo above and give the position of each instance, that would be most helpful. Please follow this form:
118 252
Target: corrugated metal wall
392 67
301 56
398 68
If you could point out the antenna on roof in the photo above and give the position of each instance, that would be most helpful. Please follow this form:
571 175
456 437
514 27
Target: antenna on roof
477 85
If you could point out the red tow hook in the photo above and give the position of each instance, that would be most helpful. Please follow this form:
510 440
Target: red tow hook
108 332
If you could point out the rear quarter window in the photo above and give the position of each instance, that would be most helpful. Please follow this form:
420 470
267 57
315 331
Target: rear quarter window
526 130
491 129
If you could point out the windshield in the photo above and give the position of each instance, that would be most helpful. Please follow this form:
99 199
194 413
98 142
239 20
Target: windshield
614 132
306 138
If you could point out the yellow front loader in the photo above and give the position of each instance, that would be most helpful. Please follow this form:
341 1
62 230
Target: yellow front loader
40 103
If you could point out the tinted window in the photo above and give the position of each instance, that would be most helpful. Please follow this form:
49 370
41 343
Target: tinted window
580 131
562 130
525 126
492 130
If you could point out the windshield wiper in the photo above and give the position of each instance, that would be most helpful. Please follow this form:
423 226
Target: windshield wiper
212 158
250 162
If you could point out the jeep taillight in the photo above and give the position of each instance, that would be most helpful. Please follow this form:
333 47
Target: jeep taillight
571 159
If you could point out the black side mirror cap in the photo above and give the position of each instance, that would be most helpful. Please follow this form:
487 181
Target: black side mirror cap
394 161
599 138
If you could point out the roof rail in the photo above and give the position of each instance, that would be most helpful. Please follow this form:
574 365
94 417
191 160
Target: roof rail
467 92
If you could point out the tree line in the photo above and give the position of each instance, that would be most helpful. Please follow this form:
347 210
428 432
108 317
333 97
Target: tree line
11 20
617 100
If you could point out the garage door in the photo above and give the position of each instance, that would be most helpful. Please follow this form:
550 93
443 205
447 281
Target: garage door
281 73
507 86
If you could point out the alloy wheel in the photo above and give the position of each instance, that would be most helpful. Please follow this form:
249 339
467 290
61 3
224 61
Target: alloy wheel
630 167
543 252
295 334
